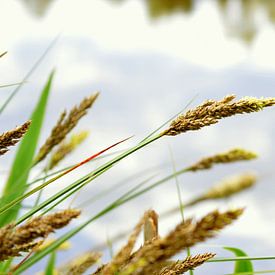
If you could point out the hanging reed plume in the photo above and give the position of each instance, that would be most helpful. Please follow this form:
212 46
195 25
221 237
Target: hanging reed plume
211 111
227 157
11 137
14 240
64 125
65 148
189 263
80 264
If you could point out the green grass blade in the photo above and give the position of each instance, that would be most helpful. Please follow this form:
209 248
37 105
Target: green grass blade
87 178
51 264
16 90
240 266
18 199
17 181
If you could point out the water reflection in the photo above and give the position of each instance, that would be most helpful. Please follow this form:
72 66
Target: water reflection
242 18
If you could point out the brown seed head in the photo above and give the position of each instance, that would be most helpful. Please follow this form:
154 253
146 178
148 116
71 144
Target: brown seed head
211 111
11 137
64 125
80 264
14 240
185 235
189 263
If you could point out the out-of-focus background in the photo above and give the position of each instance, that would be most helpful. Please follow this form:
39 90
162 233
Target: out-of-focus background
149 58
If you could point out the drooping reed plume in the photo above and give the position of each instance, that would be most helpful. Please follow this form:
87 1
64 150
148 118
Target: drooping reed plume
211 111
80 264
64 125
65 148
12 137
14 240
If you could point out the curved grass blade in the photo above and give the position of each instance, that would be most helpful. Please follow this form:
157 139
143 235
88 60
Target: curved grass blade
16 184
241 266
16 90
18 199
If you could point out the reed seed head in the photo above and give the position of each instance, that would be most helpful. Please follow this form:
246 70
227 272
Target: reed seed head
227 157
189 263
231 186
211 111
14 240
80 264
11 137
64 125
125 252
185 235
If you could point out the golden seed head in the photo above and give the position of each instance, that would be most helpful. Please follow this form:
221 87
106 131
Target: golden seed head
80 264
11 137
14 240
64 125
189 263
211 111
227 157
186 234
231 186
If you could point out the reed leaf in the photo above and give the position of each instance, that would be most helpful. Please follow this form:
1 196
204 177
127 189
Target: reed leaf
16 184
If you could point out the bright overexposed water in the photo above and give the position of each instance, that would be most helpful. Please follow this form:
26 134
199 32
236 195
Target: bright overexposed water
148 64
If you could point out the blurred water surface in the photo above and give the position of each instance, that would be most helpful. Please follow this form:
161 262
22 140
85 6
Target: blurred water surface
149 59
